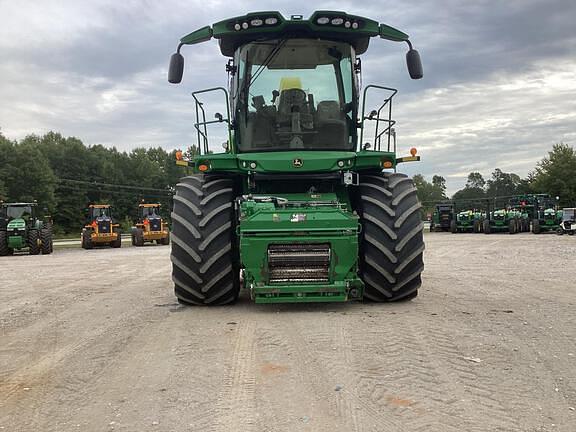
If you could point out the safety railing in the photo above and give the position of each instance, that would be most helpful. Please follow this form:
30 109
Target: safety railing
382 116
201 124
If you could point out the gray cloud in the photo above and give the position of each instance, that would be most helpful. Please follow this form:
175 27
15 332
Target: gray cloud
498 88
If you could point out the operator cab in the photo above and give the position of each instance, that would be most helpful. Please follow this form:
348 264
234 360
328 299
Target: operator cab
287 101
295 84
99 212
17 211
149 211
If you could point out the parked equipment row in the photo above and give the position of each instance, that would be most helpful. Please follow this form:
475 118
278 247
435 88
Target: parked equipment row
524 213
22 230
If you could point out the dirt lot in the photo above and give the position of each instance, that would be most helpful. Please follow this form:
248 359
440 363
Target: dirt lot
94 341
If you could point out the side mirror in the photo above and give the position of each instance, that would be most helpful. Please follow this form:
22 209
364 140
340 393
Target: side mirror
176 68
414 64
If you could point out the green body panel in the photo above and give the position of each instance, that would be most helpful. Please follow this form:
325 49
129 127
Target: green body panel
303 219
285 161
16 242
16 226
201 35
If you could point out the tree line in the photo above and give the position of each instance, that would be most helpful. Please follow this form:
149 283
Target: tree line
64 175
555 175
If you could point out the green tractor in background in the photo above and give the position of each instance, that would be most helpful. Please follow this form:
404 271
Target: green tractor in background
298 202
21 229
467 221
549 220
503 220
547 217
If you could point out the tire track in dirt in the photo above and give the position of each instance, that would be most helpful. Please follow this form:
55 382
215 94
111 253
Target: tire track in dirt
323 376
397 374
236 408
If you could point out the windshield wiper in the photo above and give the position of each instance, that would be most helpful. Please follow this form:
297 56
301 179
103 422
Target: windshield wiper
271 56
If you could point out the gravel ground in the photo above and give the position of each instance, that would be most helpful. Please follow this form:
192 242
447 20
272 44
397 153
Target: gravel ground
94 341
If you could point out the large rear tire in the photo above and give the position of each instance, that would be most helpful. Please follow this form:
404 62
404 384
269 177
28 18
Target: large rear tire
118 242
87 240
204 255
33 246
453 227
536 226
166 240
46 237
392 242
139 237
4 250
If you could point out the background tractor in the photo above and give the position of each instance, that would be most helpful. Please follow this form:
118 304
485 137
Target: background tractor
150 226
21 229
547 216
467 221
442 217
298 202
100 228
503 220
547 220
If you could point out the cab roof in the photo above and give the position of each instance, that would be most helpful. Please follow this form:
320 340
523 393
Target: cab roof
99 206
19 204
332 25
148 205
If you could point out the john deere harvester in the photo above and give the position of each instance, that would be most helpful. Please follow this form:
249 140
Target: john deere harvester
150 226
21 229
298 201
467 221
100 229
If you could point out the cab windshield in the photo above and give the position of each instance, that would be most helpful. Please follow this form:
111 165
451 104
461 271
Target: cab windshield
295 94
100 212
149 211
17 212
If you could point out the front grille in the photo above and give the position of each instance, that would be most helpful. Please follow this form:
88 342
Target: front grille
299 262
155 225
103 227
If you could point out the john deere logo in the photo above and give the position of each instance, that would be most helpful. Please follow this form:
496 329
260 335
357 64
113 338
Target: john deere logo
297 163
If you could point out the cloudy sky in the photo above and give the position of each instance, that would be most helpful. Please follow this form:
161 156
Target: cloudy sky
499 86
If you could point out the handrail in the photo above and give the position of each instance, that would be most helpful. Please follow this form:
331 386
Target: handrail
377 118
201 123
